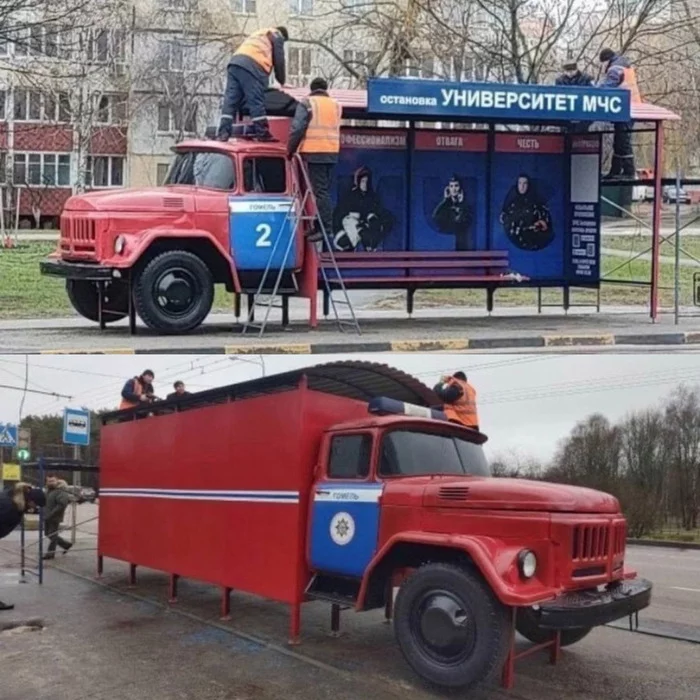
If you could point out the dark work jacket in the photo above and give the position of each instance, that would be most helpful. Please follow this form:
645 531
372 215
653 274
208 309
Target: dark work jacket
175 395
300 123
128 391
450 394
615 72
278 62
10 514
580 79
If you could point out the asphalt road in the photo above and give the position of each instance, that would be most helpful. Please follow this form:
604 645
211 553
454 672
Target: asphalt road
104 644
503 329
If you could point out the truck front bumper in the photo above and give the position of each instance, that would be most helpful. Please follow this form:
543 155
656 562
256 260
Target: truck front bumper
592 608
75 270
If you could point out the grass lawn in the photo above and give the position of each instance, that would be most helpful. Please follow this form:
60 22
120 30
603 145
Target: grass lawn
675 535
639 244
25 293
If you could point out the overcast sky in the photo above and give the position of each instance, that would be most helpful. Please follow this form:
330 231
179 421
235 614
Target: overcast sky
527 403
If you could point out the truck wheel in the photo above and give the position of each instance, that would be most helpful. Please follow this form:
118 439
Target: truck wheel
174 292
82 294
526 624
451 629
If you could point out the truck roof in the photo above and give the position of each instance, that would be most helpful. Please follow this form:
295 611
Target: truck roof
233 145
349 379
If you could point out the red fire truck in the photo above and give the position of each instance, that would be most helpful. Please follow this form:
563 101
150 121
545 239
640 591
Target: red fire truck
342 482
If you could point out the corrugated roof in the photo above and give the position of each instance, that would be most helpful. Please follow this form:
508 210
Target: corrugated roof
356 100
350 379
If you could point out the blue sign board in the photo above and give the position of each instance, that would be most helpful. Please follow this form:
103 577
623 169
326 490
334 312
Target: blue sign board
76 426
261 228
497 101
8 435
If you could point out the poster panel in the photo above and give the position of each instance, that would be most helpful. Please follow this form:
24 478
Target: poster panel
528 203
583 244
448 191
370 191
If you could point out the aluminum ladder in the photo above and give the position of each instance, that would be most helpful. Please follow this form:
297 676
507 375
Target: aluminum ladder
298 221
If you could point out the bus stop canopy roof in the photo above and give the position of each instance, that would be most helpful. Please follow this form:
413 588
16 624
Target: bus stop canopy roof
354 104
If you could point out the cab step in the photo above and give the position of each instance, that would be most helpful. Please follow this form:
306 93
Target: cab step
340 590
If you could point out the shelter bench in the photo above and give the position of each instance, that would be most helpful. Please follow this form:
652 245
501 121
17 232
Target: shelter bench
421 270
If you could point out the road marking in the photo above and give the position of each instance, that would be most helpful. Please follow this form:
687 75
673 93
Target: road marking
680 588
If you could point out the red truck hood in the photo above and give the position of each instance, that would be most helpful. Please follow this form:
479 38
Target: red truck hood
513 494
154 200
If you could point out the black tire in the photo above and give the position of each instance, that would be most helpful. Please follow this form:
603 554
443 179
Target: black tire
82 294
526 625
445 600
174 293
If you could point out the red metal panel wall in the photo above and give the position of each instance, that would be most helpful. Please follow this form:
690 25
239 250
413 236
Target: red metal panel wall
43 137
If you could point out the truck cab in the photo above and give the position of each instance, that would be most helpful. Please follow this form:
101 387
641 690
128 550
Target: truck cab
225 210
407 502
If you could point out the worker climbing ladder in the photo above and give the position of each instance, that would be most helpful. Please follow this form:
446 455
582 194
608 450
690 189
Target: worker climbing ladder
298 218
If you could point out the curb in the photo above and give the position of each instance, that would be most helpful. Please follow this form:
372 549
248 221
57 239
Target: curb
670 544
408 346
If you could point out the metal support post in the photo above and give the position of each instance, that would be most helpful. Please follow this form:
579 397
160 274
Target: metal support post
656 222
335 620
74 505
677 262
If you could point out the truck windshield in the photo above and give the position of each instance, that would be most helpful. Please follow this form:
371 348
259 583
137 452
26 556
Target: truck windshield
203 169
411 453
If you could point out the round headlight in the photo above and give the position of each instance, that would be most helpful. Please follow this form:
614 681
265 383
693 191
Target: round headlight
119 244
527 563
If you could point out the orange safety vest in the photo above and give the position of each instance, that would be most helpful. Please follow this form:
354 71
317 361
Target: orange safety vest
258 46
138 390
323 133
629 82
464 409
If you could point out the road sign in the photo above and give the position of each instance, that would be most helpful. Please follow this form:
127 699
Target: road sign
8 435
76 426
11 472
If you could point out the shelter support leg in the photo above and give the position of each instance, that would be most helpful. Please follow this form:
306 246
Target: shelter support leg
295 625
172 588
132 308
555 648
237 305
100 305
508 677
335 620
132 575
226 603
251 307
285 310
389 604
100 565
567 298
489 299
410 293
326 304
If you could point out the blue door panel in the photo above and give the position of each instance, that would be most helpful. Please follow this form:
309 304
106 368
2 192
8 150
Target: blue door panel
344 527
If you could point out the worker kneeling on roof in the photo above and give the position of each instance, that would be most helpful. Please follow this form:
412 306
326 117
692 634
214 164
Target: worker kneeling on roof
138 390
315 132
460 400
248 75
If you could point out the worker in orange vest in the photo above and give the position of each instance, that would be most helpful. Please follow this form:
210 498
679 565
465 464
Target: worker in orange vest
315 133
460 400
619 73
248 75
138 390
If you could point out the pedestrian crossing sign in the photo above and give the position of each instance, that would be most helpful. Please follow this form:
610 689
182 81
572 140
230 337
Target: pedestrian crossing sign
8 435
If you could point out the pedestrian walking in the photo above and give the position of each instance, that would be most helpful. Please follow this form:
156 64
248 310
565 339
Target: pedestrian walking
57 500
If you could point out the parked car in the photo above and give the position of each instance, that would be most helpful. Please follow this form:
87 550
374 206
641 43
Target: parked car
673 194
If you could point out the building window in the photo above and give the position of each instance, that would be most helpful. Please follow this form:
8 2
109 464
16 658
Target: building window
31 105
174 56
107 45
4 45
21 42
105 171
420 67
245 7
3 167
301 7
57 107
363 63
162 170
3 104
49 169
170 119
111 109
299 66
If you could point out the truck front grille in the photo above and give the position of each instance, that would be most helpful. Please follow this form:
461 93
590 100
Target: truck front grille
78 234
590 542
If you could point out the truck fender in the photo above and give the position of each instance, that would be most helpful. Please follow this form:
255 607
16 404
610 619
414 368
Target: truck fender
146 238
493 558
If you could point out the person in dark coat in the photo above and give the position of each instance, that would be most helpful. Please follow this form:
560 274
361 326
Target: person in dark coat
14 503
573 75
57 500
138 390
525 217
359 218
453 215
179 392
